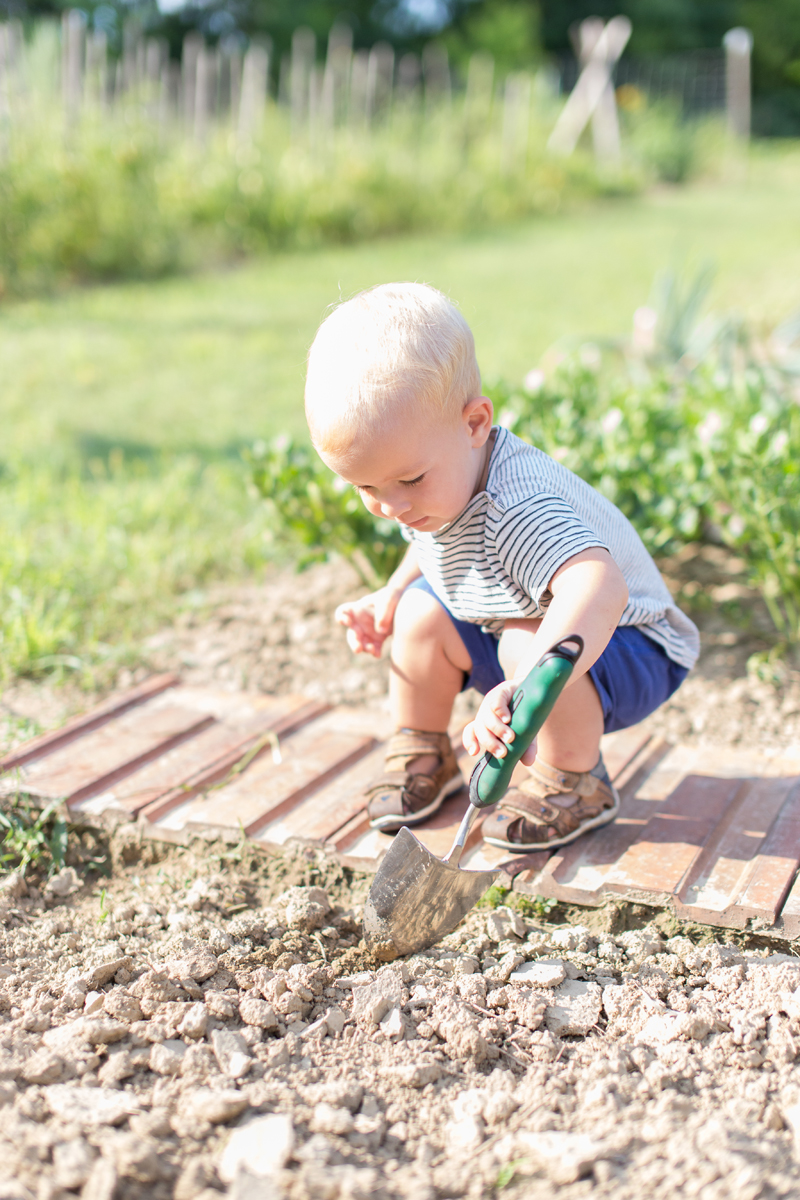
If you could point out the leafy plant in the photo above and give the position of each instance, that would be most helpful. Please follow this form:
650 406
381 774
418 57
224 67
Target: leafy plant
312 510
33 838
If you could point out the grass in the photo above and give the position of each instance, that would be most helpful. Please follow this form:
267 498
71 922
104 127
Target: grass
123 408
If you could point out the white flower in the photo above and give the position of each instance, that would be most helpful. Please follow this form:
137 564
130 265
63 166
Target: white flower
281 442
506 417
340 485
736 526
534 381
560 453
708 428
611 421
759 423
644 329
590 357
779 442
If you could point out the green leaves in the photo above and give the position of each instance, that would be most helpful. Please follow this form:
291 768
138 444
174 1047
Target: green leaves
33 838
314 512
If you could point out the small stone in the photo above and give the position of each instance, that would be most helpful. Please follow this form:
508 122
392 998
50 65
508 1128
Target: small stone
103 1031
564 1157
13 887
138 1159
89 1107
197 964
674 1026
416 1075
195 1022
328 1119
503 923
392 1025
105 972
464 1134
93 1003
257 1012
335 1020
232 1053
306 908
102 1181
43 1067
372 1001
575 1009
166 1057
72 1162
218 1005
545 972
217 1107
571 937
262 1146
119 1004
63 883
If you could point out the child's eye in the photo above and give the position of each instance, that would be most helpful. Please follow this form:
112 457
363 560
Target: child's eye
412 482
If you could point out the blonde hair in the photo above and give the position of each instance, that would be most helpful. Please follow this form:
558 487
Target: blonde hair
389 348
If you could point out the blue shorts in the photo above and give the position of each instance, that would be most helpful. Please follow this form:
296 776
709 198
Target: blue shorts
633 675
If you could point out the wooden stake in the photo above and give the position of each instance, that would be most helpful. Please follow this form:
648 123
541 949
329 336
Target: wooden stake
738 45
592 83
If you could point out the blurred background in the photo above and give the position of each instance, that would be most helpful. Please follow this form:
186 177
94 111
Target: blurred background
608 189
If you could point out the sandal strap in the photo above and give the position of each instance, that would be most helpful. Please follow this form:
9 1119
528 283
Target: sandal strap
546 780
407 744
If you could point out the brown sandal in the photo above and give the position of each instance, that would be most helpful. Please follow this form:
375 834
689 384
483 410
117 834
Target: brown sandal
551 808
400 798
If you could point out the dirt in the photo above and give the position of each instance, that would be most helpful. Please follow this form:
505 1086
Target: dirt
207 1021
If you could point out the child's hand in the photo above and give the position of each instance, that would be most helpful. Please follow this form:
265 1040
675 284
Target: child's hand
369 621
490 730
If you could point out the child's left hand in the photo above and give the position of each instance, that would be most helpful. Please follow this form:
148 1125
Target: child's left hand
490 729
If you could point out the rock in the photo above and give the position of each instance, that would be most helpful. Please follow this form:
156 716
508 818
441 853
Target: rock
571 937
458 1026
166 1057
63 883
372 1001
217 1107
640 943
575 1009
232 1053
13 887
122 1006
503 923
43 1067
335 1020
306 908
564 1157
674 1026
464 1134
195 1022
72 1163
257 1012
416 1075
89 1107
218 1005
137 1158
545 972
262 1146
103 1031
392 1025
93 1003
197 964
105 972
102 1181
340 1093
328 1119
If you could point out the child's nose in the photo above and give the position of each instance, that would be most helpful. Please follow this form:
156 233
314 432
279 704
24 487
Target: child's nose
394 508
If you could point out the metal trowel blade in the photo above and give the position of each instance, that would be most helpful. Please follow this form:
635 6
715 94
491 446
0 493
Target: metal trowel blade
416 898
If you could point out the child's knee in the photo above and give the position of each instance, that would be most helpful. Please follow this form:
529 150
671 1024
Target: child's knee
419 615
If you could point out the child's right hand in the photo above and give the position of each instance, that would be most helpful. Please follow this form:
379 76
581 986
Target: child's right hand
370 620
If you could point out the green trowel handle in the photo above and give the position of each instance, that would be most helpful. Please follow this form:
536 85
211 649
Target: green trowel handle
530 707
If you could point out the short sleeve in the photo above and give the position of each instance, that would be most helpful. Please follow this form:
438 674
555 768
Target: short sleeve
537 536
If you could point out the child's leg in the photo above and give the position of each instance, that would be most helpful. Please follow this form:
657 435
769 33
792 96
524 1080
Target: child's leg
568 791
428 667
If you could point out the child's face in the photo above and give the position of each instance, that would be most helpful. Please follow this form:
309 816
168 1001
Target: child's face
421 474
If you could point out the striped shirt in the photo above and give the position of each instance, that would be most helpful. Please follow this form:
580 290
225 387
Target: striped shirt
494 562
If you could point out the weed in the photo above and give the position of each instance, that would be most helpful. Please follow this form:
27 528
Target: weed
33 837
535 906
104 913
494 897
508 1173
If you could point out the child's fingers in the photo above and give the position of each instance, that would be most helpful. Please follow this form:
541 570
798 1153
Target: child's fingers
471 744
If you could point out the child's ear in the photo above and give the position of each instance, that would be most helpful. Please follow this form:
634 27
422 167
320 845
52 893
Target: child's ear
478 415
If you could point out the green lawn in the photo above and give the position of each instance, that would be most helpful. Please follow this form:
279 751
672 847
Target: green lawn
95 545
216 360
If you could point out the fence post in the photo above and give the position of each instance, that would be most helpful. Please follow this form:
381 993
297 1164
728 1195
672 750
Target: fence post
380 78
255 74
72 34
336 80
738 45
436 73
192 44
304 48
5 87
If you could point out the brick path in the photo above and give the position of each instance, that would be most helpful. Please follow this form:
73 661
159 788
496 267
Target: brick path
715 834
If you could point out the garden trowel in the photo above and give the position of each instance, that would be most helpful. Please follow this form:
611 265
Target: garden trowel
417 898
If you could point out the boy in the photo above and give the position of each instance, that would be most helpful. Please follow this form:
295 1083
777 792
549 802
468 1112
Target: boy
509 553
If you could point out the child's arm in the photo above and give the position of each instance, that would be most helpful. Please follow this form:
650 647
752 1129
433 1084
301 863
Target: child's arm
589 597
370 620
